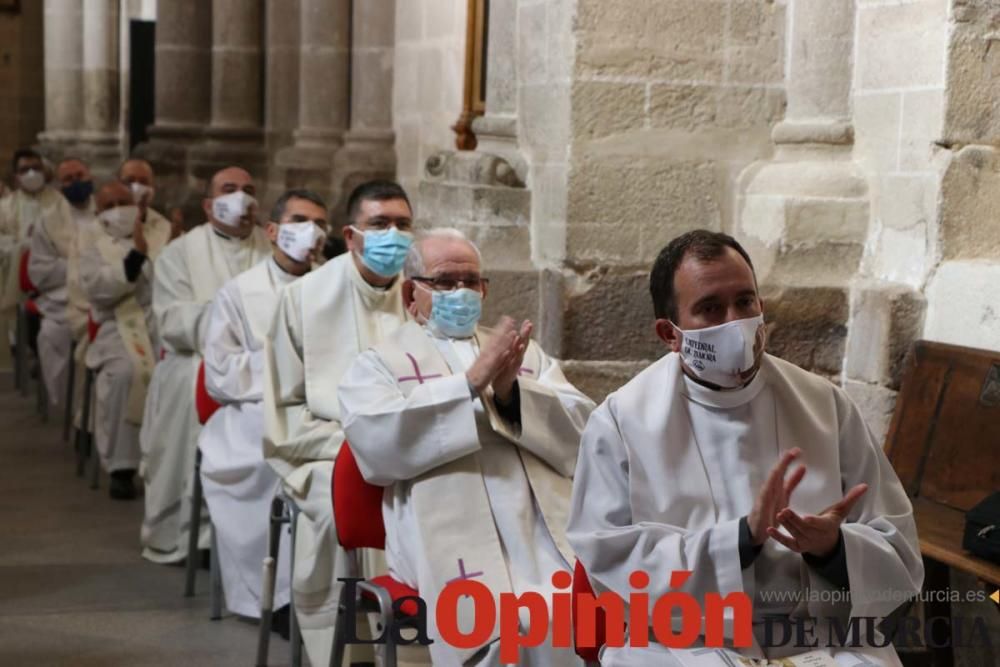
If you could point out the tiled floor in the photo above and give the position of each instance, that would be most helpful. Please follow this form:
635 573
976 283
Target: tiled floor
74 590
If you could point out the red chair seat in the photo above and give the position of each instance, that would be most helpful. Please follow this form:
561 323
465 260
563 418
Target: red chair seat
32 308
396 591
357 505
205 404
24 279
92 327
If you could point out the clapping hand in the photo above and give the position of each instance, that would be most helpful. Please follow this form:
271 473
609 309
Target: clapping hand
500 359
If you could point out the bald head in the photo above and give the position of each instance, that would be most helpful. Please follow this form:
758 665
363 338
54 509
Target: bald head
226 182
112 194
231 179
135 170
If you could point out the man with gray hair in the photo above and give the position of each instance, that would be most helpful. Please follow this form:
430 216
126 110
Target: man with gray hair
475 432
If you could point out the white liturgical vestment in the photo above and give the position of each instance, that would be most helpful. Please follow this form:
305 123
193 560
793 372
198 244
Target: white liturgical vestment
189 272
323 321
667 468
469 494
239 485
122 353
51 244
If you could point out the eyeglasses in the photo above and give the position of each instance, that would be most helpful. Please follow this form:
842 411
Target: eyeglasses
449 284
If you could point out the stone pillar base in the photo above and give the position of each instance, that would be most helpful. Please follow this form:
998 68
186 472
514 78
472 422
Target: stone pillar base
101 150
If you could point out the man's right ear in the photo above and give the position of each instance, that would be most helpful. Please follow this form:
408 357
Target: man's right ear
206 206
408 301
668 333
272 231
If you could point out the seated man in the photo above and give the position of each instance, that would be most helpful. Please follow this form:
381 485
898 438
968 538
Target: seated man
239 484
21 211
51 244
476 431
323 321
116 274
188 274
688 467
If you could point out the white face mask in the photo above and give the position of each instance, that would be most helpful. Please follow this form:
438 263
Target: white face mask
119 221
31 181
298 239
720 354
228 209
139 190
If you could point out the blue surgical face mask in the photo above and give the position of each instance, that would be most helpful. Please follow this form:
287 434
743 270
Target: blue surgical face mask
456 313
385 250
78 192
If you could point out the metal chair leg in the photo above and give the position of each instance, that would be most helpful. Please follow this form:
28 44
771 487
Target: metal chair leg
82 434
88 416
269 578
21 350
194 528
215 577
70 386
41 395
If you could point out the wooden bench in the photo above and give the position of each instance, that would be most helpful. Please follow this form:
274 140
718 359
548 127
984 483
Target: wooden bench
944 443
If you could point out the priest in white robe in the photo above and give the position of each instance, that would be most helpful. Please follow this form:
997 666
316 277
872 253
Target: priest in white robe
239 485
116 275
21 211
50 246
322 323
189 272
753 474
476 433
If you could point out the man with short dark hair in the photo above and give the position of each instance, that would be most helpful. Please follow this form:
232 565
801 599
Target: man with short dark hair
239 484
322 322
690 467
189 272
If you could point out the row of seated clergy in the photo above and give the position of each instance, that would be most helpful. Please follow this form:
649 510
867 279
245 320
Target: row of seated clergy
687 467
87 265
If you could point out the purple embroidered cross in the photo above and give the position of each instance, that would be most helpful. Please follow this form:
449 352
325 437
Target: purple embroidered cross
525 371
416 370
463 575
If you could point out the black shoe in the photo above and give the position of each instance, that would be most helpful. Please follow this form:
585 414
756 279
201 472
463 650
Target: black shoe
280 622
205 558
122 485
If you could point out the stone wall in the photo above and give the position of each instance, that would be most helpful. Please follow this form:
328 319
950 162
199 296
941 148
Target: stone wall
427 96
22 101
671 101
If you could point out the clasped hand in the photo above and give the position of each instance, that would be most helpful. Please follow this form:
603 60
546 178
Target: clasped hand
814 534
500 358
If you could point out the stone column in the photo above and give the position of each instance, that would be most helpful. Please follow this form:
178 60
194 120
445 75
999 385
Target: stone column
63 75
183 98
281 95
236 73
183 67
235 135
101 135
324 92
804 214
369 150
